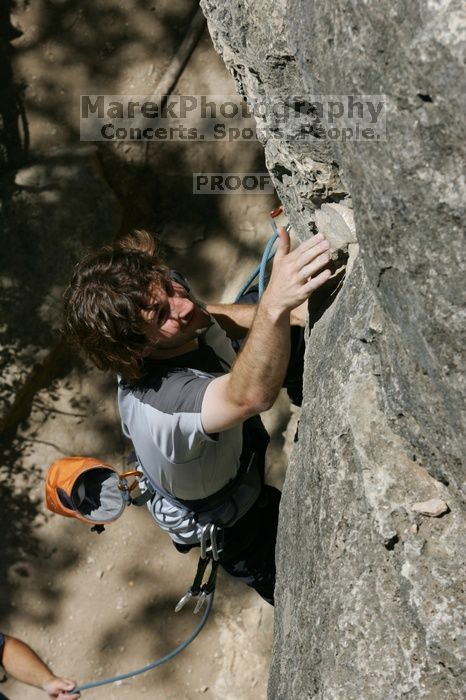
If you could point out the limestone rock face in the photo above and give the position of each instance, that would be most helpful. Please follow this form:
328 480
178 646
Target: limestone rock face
369 594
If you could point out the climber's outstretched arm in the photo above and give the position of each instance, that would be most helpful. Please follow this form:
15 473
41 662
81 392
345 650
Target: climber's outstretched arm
259 370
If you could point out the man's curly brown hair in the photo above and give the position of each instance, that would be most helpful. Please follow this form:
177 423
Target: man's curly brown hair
104 300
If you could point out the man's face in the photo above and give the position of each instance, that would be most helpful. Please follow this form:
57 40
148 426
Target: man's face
175 321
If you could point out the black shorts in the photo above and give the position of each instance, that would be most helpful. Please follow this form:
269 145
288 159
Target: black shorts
249 546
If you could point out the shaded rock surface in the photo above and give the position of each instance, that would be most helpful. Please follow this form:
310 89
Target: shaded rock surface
370 597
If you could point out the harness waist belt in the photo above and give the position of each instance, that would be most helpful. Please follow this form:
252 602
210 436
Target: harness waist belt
231 502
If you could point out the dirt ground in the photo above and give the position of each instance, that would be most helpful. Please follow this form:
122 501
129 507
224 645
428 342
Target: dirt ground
96 605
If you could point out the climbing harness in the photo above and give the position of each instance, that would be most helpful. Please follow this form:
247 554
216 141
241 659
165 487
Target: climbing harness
184 520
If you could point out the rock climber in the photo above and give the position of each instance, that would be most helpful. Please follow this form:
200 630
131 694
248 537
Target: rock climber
188 402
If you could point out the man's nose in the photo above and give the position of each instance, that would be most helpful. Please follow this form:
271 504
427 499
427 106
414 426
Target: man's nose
180 307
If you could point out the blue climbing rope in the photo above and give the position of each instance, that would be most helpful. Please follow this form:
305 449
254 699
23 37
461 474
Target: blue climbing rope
261 268
154 664
267 255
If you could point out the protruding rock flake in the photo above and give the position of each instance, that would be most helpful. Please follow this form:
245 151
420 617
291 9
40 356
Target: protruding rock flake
434 507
